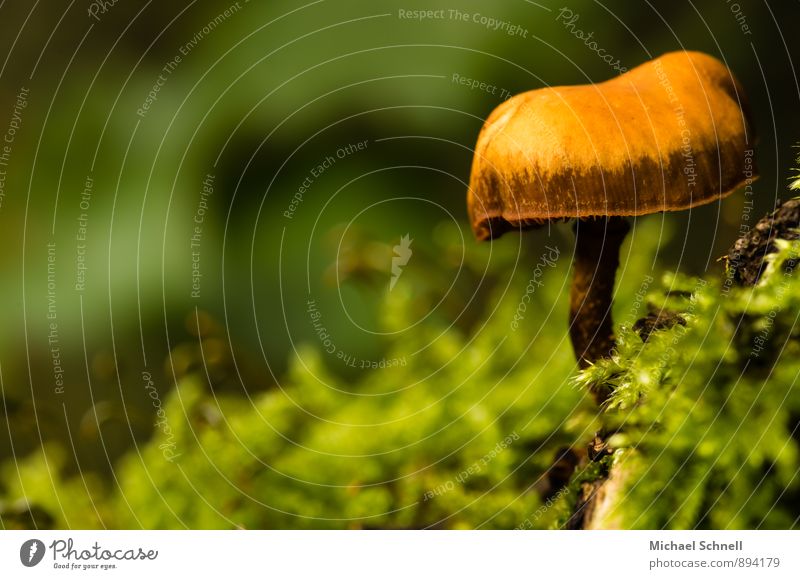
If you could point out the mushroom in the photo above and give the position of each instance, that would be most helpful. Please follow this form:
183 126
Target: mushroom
671 134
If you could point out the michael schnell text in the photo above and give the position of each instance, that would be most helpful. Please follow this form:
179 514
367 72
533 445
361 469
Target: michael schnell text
695 546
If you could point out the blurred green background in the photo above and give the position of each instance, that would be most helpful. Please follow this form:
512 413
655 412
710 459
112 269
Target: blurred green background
263 94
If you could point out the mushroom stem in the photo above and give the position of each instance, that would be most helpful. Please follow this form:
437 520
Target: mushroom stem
592 293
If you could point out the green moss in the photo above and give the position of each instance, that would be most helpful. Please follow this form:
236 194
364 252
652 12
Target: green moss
568 497
702 413
711 408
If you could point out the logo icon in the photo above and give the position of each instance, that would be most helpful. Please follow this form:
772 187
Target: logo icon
31 553
402 253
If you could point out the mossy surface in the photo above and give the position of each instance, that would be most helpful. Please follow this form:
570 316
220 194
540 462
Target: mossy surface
711 407
465 435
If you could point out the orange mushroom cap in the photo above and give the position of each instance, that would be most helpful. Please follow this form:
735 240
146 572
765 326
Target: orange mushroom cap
668 135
